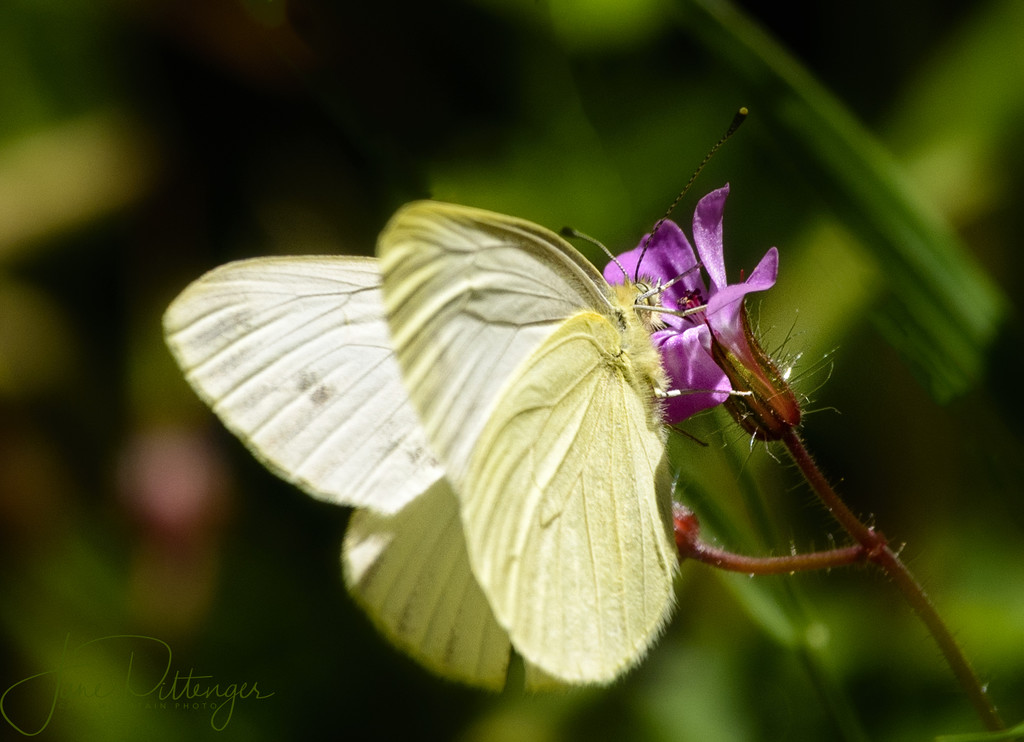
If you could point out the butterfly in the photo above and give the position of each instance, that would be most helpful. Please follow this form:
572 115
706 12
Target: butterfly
489 404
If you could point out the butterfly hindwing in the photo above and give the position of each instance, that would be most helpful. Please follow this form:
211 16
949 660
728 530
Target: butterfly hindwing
566 504
410 571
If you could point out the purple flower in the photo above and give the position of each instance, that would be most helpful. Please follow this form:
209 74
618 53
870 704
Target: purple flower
686 343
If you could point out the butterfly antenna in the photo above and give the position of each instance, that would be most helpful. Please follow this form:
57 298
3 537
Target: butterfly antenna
738 119
576 234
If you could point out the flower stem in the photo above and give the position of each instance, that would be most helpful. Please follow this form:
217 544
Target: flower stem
731 562
876 549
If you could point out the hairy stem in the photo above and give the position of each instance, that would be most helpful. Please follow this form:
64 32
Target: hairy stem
876 549
727 560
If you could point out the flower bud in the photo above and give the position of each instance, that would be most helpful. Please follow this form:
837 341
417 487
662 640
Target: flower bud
763 403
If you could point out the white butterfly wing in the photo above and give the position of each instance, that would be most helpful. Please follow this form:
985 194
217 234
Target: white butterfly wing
293 354
545 429
469 295
567 506
410 571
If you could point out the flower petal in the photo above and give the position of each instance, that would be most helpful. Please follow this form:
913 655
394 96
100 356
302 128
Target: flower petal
689 366
668 255
764 275
707 235
724 306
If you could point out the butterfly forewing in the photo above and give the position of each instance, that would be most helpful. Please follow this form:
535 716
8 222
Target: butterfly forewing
293 355
469 295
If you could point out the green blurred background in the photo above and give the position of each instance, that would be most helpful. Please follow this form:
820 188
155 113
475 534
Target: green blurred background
142 143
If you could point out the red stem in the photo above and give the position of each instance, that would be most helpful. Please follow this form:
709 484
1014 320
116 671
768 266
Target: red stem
731 562
876 549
